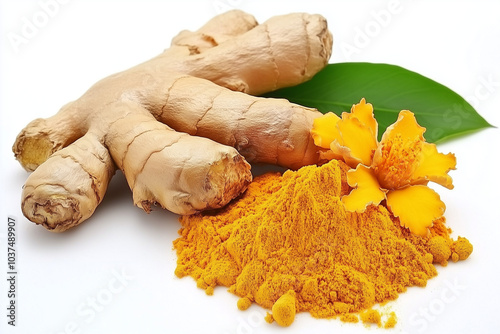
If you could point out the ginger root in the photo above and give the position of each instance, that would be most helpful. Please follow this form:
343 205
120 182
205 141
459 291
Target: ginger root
150 121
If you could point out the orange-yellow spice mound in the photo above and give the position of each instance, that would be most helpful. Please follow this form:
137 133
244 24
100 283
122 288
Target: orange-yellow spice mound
291 232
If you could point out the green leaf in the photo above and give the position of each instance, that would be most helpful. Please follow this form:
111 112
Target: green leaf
389 88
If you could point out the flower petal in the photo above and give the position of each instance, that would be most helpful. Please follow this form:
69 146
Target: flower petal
406 125
399 151
434 166
324 130
416 206
358 142
364 113
367 190
329 155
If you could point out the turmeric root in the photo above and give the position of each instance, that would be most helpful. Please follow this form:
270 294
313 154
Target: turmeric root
150 121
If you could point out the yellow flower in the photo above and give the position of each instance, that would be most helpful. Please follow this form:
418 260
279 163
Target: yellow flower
352 138
397 169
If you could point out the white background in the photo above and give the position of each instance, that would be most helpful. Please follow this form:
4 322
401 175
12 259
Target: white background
456 43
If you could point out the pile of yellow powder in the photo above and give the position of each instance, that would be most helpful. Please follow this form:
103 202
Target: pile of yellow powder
289 245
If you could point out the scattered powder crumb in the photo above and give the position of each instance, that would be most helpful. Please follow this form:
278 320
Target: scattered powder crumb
440 249
244 303
209 290
391 321
461 248
371 316
349 317
284 309
269 318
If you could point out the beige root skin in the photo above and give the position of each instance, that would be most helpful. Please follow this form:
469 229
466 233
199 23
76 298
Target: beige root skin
283 51
196 173
68 186
214 32
187 87
42 137
271 131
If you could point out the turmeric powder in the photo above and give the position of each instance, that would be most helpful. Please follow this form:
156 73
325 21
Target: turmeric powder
391 321
440 249
244 303
291 232
461 249
284 309
371 316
